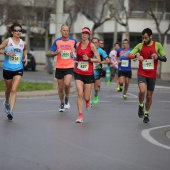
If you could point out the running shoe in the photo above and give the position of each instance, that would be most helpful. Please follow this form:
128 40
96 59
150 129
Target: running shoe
91 103
61 108
7 107
120 89
140 111
124 96
96 99
67 103
146 118
117 89
10 115
79 119
88 105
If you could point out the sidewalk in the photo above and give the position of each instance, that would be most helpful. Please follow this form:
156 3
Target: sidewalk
37 93
165 81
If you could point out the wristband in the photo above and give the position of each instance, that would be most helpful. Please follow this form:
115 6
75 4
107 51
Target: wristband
164 59
5 52
25 56
89 59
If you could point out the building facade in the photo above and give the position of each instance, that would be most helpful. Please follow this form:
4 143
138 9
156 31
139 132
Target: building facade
110 31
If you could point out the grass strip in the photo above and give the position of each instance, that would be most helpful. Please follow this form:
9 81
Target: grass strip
29 86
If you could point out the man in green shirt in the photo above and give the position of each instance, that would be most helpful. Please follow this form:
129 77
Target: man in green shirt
148 53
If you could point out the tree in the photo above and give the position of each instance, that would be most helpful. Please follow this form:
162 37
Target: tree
121 10
96 11
33 15
70 8
158 16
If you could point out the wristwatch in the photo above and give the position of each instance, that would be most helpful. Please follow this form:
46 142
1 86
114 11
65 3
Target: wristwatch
5 52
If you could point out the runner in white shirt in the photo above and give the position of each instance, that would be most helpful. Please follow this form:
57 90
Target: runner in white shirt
114 64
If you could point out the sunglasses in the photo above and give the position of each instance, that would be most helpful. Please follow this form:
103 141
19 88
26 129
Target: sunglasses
17 30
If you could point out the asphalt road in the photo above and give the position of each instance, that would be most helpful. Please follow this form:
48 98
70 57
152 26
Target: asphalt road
112 136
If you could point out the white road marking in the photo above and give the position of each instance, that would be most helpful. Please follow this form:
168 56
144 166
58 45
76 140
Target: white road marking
132 95
33 111
164 101
129 95
164 87
132 101
102 101
146 134
168 134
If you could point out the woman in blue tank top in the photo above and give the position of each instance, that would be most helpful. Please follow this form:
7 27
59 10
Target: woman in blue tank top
13 49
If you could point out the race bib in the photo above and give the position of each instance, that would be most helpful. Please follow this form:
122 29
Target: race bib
148 64
65 54
124 63
83 65
14 60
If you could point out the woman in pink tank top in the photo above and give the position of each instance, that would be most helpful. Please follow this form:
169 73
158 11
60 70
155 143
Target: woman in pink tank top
84 77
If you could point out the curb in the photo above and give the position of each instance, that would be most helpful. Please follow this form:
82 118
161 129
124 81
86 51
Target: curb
37 93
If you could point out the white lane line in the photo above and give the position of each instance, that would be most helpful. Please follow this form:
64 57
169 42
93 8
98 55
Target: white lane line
131 101
129 95
164 101
164 87
146 134
104 101
33 111
132 95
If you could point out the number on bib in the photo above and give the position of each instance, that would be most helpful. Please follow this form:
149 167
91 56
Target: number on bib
124 63
14 60
83 65
65 54
148 64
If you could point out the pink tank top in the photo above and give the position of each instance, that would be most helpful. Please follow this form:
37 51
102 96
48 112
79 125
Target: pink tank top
84 67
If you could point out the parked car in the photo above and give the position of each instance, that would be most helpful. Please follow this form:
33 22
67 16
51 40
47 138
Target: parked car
31 62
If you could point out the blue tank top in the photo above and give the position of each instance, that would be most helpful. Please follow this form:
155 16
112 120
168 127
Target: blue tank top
14 63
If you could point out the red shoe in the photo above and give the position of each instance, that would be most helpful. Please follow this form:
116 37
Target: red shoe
88 105
79 119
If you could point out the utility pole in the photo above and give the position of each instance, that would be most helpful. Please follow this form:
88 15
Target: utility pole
59 17
59 22
115 33
27 37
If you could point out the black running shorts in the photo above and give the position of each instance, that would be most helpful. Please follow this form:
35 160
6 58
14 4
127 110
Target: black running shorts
60 73
86 79
7 75
150 82
125 74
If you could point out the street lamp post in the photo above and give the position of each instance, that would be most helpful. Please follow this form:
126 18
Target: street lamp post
59 22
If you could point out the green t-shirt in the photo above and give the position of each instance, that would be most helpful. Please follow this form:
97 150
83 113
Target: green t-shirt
158 47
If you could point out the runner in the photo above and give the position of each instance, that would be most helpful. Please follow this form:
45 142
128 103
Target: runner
63 48
101 44
14 50
124 67
98 68
114 64
84 74
150 52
